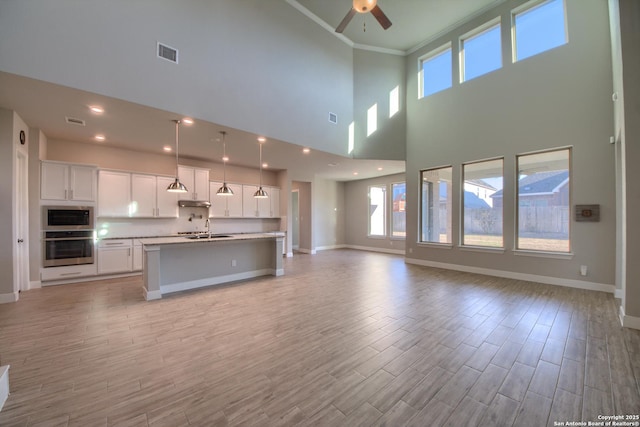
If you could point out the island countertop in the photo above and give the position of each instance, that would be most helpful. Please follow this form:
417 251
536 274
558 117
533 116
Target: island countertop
172 240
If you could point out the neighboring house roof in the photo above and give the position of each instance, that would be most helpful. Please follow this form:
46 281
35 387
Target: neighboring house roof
473 201
480 183
540 183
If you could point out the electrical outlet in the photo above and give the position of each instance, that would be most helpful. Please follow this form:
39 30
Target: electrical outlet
583 270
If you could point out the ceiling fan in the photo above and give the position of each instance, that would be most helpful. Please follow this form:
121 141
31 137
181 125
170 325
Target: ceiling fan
364 6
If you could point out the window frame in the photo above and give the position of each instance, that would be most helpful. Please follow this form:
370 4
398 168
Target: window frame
384 215
462 206
427 57
526 7
540 252
448 244
391 236
476 32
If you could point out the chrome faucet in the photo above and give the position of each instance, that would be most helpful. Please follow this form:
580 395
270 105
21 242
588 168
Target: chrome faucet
207 226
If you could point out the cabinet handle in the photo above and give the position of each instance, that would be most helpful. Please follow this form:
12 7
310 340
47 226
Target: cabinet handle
129 252
114 244
71 274
71 194
65 193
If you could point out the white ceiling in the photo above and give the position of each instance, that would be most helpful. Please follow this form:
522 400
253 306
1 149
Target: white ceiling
45 105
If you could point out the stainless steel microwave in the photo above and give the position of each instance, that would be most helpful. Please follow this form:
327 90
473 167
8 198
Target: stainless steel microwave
57 218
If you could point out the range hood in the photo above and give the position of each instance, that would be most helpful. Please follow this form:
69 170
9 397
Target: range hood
193 203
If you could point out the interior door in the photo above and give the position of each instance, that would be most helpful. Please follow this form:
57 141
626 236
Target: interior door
21 221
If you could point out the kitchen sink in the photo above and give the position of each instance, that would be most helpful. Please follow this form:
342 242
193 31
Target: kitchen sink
206 236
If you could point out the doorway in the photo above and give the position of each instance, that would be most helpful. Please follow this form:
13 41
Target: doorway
21 221
295 219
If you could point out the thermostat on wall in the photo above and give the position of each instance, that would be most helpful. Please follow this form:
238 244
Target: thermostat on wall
587 213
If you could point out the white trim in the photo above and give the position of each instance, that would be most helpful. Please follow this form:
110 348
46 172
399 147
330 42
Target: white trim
4 384
92 278
543 254
10 297
371 249
279 272
618 293
379 49
330 247
307 251
289 254
629 321
435 245
35 284
485 249
202 283
148 296
570 283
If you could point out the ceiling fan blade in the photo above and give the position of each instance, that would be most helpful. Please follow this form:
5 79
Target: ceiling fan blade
381 17
340 28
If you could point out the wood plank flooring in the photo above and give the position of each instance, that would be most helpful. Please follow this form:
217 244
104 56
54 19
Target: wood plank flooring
344 338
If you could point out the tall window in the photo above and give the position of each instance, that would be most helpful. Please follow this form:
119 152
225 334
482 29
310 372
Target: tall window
480 52
398 220
482 203
435 205
538 27
435 71
377 210
543 197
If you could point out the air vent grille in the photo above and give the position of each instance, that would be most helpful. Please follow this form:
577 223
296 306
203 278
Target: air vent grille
168 53
74 121
333 118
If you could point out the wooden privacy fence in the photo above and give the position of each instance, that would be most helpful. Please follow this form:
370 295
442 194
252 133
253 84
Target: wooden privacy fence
535 220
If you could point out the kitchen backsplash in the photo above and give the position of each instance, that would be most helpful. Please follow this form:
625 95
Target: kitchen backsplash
151 227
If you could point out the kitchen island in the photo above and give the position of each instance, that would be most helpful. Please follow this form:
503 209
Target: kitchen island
173 264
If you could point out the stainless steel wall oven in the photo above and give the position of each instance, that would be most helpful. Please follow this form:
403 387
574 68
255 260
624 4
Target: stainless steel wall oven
68 235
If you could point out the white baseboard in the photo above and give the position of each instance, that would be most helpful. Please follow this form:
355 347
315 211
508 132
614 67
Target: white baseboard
151 295
330 247
629 321
618 293
580 284
12 297
202 283
307 251
372 249
4 384
35 284
289 254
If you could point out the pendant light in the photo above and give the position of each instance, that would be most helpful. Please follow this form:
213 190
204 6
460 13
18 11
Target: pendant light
176 186
224 190
260 194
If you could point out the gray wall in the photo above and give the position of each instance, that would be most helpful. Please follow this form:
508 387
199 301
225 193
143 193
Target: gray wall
559 98
357 207
305 211
260 66
6 193
374 76
329 213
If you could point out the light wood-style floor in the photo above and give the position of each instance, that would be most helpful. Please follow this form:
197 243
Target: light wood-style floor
345 338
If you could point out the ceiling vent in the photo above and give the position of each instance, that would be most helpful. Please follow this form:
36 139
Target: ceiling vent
168 53
333 118
74 121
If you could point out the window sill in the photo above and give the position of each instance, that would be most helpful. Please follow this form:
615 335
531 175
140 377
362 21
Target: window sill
377 237
486 249
541 254
436 245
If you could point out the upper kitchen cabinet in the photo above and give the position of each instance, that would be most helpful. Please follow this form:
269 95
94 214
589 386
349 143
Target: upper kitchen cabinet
150 198
197 182
114 194
69 182
261 208
225 206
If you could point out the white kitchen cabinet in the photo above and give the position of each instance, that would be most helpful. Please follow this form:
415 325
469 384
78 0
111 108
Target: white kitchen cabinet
114 194
64 181
150 198
260 208
225 206
67 272
197 182
115 256
137 255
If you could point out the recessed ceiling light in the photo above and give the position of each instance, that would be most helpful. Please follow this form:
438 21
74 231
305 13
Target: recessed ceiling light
262 139
355 173
265 165
306 150
167 148
96 109
99 137
379 169
225 158
187 121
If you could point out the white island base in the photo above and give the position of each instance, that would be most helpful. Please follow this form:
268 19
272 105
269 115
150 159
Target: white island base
175 264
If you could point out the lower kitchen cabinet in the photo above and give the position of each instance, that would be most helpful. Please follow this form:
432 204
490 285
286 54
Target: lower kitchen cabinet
137 255
115 256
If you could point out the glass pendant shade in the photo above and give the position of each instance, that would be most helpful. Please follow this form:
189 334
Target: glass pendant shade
176 186
364 6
